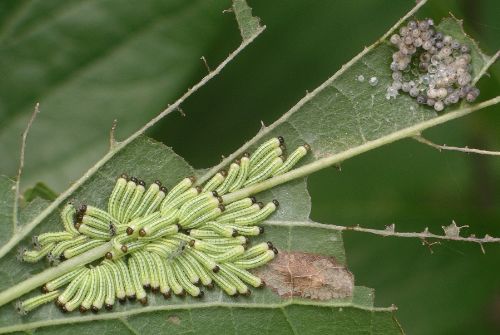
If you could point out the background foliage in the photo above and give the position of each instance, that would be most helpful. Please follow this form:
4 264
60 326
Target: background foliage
137 58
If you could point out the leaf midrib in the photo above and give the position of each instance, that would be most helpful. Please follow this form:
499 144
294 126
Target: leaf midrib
309 96
201 305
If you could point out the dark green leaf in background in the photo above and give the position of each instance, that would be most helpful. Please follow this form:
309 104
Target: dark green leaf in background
40 190
90 62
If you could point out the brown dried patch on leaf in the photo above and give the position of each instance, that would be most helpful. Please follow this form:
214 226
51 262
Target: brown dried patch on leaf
174 319
312 276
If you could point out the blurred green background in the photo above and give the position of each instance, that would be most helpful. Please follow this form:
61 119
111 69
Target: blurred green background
89 62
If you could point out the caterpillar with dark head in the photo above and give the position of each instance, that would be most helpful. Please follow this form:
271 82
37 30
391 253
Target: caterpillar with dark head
171 242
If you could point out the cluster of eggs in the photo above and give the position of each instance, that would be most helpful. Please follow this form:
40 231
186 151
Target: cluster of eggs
431 67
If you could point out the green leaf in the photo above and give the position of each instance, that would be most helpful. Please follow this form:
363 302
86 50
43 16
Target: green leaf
345 117
116 147
27 213
40 190
349 125
289 230
249 24
77 59
7 195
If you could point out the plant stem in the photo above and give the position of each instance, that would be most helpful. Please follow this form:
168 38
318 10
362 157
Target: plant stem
388 232
28 227
310 95
423 140
342 156
45 276
49 274
17 193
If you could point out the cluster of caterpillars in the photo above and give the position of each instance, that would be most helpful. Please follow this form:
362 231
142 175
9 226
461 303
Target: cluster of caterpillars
165 241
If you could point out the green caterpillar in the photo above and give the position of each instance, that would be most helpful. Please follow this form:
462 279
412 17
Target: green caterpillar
169 242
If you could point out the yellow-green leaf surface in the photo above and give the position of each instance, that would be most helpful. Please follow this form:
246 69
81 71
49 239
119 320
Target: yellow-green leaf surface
264 311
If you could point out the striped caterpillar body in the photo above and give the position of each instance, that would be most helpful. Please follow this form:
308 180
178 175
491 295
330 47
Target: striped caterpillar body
167 242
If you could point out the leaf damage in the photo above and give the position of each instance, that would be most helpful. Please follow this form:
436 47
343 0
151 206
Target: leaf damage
310 276
174 319
248 24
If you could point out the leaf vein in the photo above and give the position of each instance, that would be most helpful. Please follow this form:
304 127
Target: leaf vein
128 326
